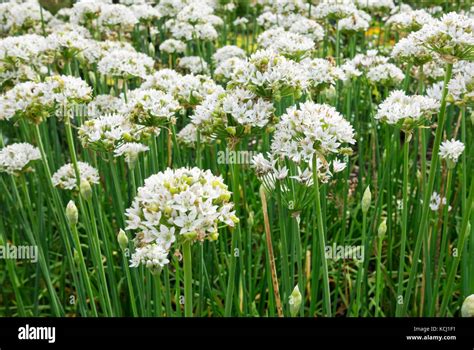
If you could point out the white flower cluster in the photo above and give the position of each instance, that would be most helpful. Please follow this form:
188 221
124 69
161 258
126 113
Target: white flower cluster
104 104
173 46
269 74
226 52
385 74
311 130
194 65
409 50
452 36
307 27
321 73
409 20
406 111
189 90
461 85
226 69
359 21
183 204
376 6
21 16
16 158
122 63
150 107
107 132
334 10
34 101
361 63
130 151
286 43
232 113
195 21
65 177
451 150
24 48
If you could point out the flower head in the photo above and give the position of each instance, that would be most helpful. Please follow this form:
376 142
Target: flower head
451 150
65 177
16 158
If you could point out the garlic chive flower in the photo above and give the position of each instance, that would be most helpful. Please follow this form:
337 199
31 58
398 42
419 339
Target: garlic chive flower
65 177
16 158
450 150
151 107
309 131
107 132
130 152
408 112
451 36
122 63
177 205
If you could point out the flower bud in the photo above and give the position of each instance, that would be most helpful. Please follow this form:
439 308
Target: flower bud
295 301
151 50
122 239
366 199
382 229
72 213
467 309
86 190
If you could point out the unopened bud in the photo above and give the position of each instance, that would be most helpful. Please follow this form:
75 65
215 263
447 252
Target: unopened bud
295 301
382 229
467 309
72 213
86 190
366 199
122 239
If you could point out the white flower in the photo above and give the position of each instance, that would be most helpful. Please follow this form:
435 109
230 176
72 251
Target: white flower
104 104
308 28
452 36
311 130
330 9
152 256
357 22
229 51
65 177
16 157
150 107
194 65
378 6
106 132
173 46
386 74
246 108
436 200
407 111
126 64
321 73
409 20
185 203
451 150
130 151
117 17
409 50
461 85
288 44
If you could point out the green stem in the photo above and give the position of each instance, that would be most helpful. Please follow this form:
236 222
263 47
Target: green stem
188 280
321 241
